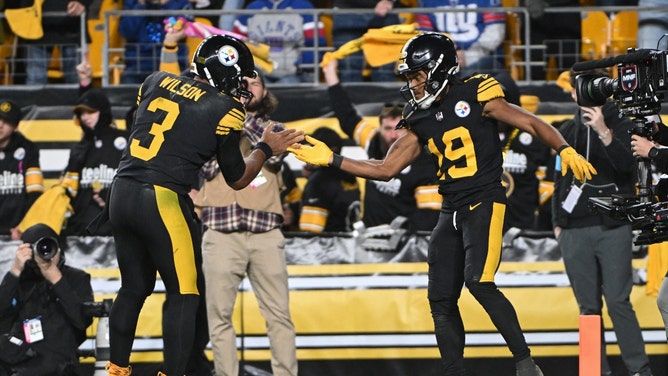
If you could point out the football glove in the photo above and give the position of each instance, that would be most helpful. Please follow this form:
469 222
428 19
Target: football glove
318 153
580 166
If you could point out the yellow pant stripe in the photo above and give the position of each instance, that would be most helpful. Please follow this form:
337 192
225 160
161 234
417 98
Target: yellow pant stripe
494 243
179 233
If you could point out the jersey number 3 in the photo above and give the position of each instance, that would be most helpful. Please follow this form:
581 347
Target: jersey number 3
157 129
466 151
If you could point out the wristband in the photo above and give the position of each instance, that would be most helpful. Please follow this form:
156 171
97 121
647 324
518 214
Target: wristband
336 161
653 152
266 149
170 47
562 147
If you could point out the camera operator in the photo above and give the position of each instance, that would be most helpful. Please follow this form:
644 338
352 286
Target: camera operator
596 249
658 154
41 302
653 149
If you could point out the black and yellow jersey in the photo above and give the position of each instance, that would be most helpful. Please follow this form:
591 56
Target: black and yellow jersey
180 124
465 143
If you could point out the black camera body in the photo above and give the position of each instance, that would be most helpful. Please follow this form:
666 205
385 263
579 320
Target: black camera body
637 92
98 309
45 248
642 78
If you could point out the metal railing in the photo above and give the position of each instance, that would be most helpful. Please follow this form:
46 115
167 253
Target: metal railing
517 56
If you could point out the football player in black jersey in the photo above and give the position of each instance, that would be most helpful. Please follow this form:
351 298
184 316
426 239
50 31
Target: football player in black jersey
180 124
456 119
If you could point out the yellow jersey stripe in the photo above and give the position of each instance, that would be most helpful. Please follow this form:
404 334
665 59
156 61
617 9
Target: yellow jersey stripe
489 89
363 133
313 219
427 197
34 180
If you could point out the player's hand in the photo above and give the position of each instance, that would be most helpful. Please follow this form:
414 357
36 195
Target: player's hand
280 141
570 159
318 153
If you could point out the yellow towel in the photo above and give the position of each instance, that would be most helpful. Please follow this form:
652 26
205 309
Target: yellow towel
26 22
50 208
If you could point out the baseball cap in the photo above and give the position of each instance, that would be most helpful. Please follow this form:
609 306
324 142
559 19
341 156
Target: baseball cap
93 100
36 232
10 112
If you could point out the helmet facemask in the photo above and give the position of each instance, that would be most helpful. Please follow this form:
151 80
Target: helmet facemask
434 54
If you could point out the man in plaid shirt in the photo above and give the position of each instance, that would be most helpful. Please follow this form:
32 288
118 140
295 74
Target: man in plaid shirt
242 235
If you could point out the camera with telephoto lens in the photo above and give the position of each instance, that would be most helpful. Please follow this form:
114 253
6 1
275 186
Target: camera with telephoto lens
638 90
98 309
45 248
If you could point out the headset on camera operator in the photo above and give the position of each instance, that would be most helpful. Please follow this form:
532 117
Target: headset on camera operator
42 323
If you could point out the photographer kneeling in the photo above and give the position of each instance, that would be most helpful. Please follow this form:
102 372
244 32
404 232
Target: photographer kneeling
658 154
42 323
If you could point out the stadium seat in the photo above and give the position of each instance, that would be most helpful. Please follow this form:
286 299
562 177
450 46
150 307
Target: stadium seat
595 35
623 31
95 49
513 46
7 56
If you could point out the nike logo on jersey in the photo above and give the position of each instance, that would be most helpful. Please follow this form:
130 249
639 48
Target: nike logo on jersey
473 206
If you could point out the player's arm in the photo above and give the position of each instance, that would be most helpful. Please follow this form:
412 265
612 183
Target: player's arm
402 153
524 120
239 171
514 115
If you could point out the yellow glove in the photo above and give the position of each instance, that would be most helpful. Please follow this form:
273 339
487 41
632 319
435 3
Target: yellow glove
319 154
580 166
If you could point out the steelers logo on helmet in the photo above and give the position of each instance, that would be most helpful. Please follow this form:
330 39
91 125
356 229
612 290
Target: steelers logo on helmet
228 55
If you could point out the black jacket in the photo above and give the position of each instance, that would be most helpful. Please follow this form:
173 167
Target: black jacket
59 307
614 163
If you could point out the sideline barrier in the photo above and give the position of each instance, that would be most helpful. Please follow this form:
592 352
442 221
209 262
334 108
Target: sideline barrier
350 304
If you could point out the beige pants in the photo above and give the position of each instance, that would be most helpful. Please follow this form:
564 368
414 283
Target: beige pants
227 258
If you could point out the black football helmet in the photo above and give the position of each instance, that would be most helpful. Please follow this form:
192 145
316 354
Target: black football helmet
436 55
224 61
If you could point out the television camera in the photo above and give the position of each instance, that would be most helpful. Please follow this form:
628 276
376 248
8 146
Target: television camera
642 80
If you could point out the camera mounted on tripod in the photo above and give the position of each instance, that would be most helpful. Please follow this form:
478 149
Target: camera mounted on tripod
638 90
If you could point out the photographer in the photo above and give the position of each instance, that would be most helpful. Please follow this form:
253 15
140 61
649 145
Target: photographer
596 249
41 302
